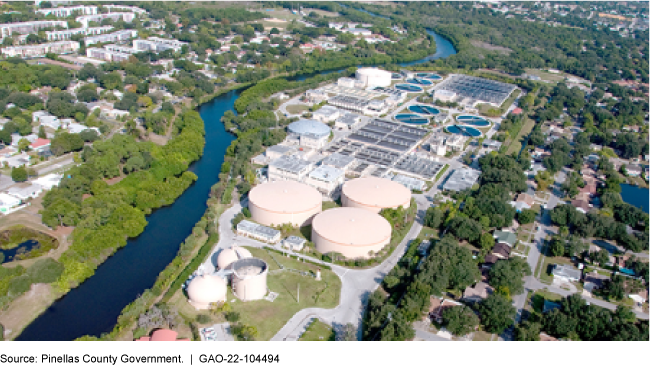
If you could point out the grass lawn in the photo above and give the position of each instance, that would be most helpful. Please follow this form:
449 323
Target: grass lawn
318 331
515 145
321 12
428 233
482 336
330 205
545 75
270 317
297 108
541 295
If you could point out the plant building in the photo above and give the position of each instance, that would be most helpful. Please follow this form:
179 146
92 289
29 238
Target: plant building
352 232
281 202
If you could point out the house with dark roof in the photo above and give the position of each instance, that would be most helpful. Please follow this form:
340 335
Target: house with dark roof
478 292
594 280
581 205
501 250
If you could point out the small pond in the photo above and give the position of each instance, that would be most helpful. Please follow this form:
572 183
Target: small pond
464 130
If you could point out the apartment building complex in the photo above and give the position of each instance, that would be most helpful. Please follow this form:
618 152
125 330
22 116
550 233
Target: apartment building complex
156 44
40 50
86 19
6 30
107 55
66 12
119 36
65 35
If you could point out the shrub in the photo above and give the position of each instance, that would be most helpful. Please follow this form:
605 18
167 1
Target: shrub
203 318
19 285
46 270
232 316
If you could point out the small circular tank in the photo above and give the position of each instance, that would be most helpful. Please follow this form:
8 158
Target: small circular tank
249 278
206 289
229 255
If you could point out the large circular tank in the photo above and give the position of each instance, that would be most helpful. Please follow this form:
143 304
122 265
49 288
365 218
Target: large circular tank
373 77
280 202
375 194
249 278
352 232
229 255
309 127
206 289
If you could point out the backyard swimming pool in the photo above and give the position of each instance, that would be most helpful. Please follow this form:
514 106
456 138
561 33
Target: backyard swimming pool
411 119
424 109
472 120
464 130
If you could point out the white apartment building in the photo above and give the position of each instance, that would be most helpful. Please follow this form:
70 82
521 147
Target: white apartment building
156 44
66 12
65 35
106 55
86 19
124 8
40 50
6 30
119 36
121 49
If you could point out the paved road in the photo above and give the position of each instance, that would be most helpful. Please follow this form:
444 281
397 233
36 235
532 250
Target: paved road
428 336
63 163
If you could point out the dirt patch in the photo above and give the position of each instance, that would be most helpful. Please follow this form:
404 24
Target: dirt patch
26 308
114 180
490 47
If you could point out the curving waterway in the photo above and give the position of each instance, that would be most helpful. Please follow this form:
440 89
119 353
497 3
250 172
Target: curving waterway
93 307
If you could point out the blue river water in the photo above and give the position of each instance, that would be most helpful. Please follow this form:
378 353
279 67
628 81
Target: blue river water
634 195
93 307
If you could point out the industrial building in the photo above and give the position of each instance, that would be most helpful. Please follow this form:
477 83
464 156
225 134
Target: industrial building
204 290
327 180
281 202
352 232
374 77
418 166
347 121
309 133
326 114
66 12
249 279
294 243
119 36
375 194
258 232
471 90
339 161
40 50
359 105
6 30
229 255
66 35
461 179
409 182
289 168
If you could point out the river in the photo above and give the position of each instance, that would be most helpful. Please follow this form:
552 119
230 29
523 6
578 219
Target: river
93 307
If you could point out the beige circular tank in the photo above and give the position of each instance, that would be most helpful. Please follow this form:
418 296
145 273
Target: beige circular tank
352 232
206 289
229 255
249 279
374 194
280 202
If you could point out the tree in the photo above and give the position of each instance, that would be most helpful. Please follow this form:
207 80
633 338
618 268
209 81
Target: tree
487 241
497 313
460 320
348 332
41 132
433 217
510 274
557 247
46 270
19 174
23 144
526 216
601 257
528 331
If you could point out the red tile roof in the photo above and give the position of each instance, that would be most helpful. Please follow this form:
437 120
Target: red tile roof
162 335
40 142
517 111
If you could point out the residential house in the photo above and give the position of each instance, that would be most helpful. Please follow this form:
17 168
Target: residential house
8 202
581 205
25 191
633 170
594 280
477 293
437 308
506 237
566 273
501 250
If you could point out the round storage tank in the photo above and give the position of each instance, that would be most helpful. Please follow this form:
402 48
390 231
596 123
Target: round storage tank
310 128
375 194
352 232
203 290
374 77
280 202
229 255
249 279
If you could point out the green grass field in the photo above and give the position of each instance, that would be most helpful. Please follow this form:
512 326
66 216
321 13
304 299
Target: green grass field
515 145
318 331
297 108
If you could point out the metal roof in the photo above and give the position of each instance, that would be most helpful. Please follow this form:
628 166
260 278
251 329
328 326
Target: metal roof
309 127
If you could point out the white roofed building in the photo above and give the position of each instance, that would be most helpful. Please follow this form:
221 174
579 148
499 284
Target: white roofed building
327 180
